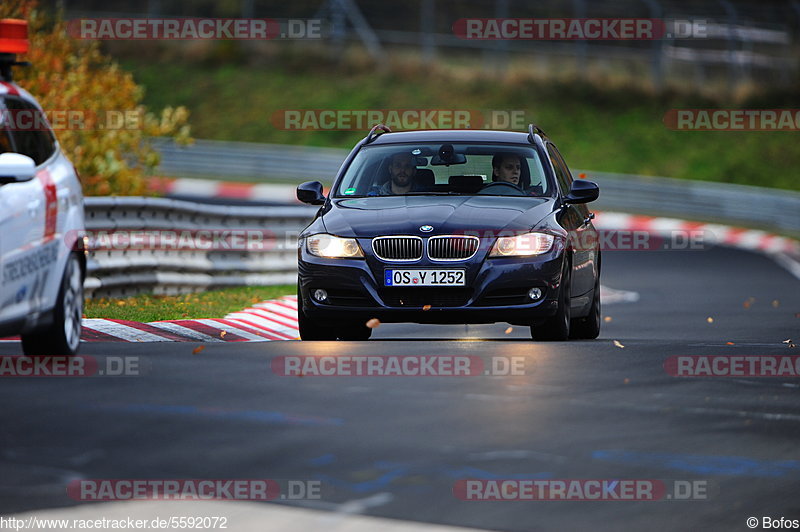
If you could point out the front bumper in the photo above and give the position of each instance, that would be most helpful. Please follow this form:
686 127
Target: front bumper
496 290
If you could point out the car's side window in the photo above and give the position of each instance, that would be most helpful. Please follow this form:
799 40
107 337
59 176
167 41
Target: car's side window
564 165
562 175
33 140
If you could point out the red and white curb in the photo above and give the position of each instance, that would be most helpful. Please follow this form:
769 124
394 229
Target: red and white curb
783 250
749 239
269 320
207 188
263 322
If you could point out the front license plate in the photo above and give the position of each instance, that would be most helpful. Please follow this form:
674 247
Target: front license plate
424 278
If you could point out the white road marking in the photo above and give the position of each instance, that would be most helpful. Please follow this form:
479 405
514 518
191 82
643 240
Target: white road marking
180 330
119 330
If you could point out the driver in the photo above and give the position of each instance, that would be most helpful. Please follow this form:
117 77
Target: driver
506 168
402 169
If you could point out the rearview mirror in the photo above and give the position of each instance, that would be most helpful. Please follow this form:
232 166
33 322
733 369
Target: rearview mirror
16 168
311 192
582 192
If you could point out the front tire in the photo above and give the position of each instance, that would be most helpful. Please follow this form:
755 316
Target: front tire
63 336
556 327
588 328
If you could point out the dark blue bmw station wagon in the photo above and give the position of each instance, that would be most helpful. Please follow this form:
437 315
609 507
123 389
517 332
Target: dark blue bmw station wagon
450 226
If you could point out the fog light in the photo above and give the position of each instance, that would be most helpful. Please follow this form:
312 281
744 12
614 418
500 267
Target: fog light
535 293
320 295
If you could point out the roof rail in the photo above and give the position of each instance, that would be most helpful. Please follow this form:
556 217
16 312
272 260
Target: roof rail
376 131
533 129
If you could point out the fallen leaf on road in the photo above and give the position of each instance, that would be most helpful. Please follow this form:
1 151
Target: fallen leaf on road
508 331
729 343
607 319
776 303
197 349
617 343
710 319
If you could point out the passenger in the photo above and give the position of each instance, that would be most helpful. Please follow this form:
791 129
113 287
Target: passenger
506 168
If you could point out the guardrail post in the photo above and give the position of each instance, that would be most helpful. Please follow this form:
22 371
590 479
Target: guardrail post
734 67
579 11
247 9
657 54
427 14
495 54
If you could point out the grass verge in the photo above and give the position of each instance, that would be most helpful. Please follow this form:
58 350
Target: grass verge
597 126
211 304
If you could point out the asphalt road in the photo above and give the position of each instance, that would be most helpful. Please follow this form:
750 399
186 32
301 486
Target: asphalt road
397 445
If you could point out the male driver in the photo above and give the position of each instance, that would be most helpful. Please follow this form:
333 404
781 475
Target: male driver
401 175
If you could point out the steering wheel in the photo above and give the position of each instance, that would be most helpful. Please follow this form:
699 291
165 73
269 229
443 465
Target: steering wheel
501 188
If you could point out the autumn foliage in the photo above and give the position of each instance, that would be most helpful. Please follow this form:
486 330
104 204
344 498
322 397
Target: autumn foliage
70 75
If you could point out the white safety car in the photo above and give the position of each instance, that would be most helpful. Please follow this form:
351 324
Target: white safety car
42 242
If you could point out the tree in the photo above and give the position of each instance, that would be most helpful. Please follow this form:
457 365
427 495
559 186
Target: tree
109 144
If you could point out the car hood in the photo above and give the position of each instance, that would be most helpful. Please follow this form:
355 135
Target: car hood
404 215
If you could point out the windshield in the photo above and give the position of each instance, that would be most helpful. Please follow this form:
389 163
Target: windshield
435 168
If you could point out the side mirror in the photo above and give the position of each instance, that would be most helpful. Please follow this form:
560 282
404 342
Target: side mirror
16 168
582 192
311 192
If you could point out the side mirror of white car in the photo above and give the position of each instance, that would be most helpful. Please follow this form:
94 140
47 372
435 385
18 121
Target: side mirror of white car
16 168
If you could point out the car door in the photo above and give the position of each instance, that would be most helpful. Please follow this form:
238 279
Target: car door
21 212
32 247
582 233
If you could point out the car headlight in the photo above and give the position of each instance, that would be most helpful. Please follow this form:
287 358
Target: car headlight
333 247
524 245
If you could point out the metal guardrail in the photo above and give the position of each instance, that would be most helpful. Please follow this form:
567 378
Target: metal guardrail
749 206
249 161
122 263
